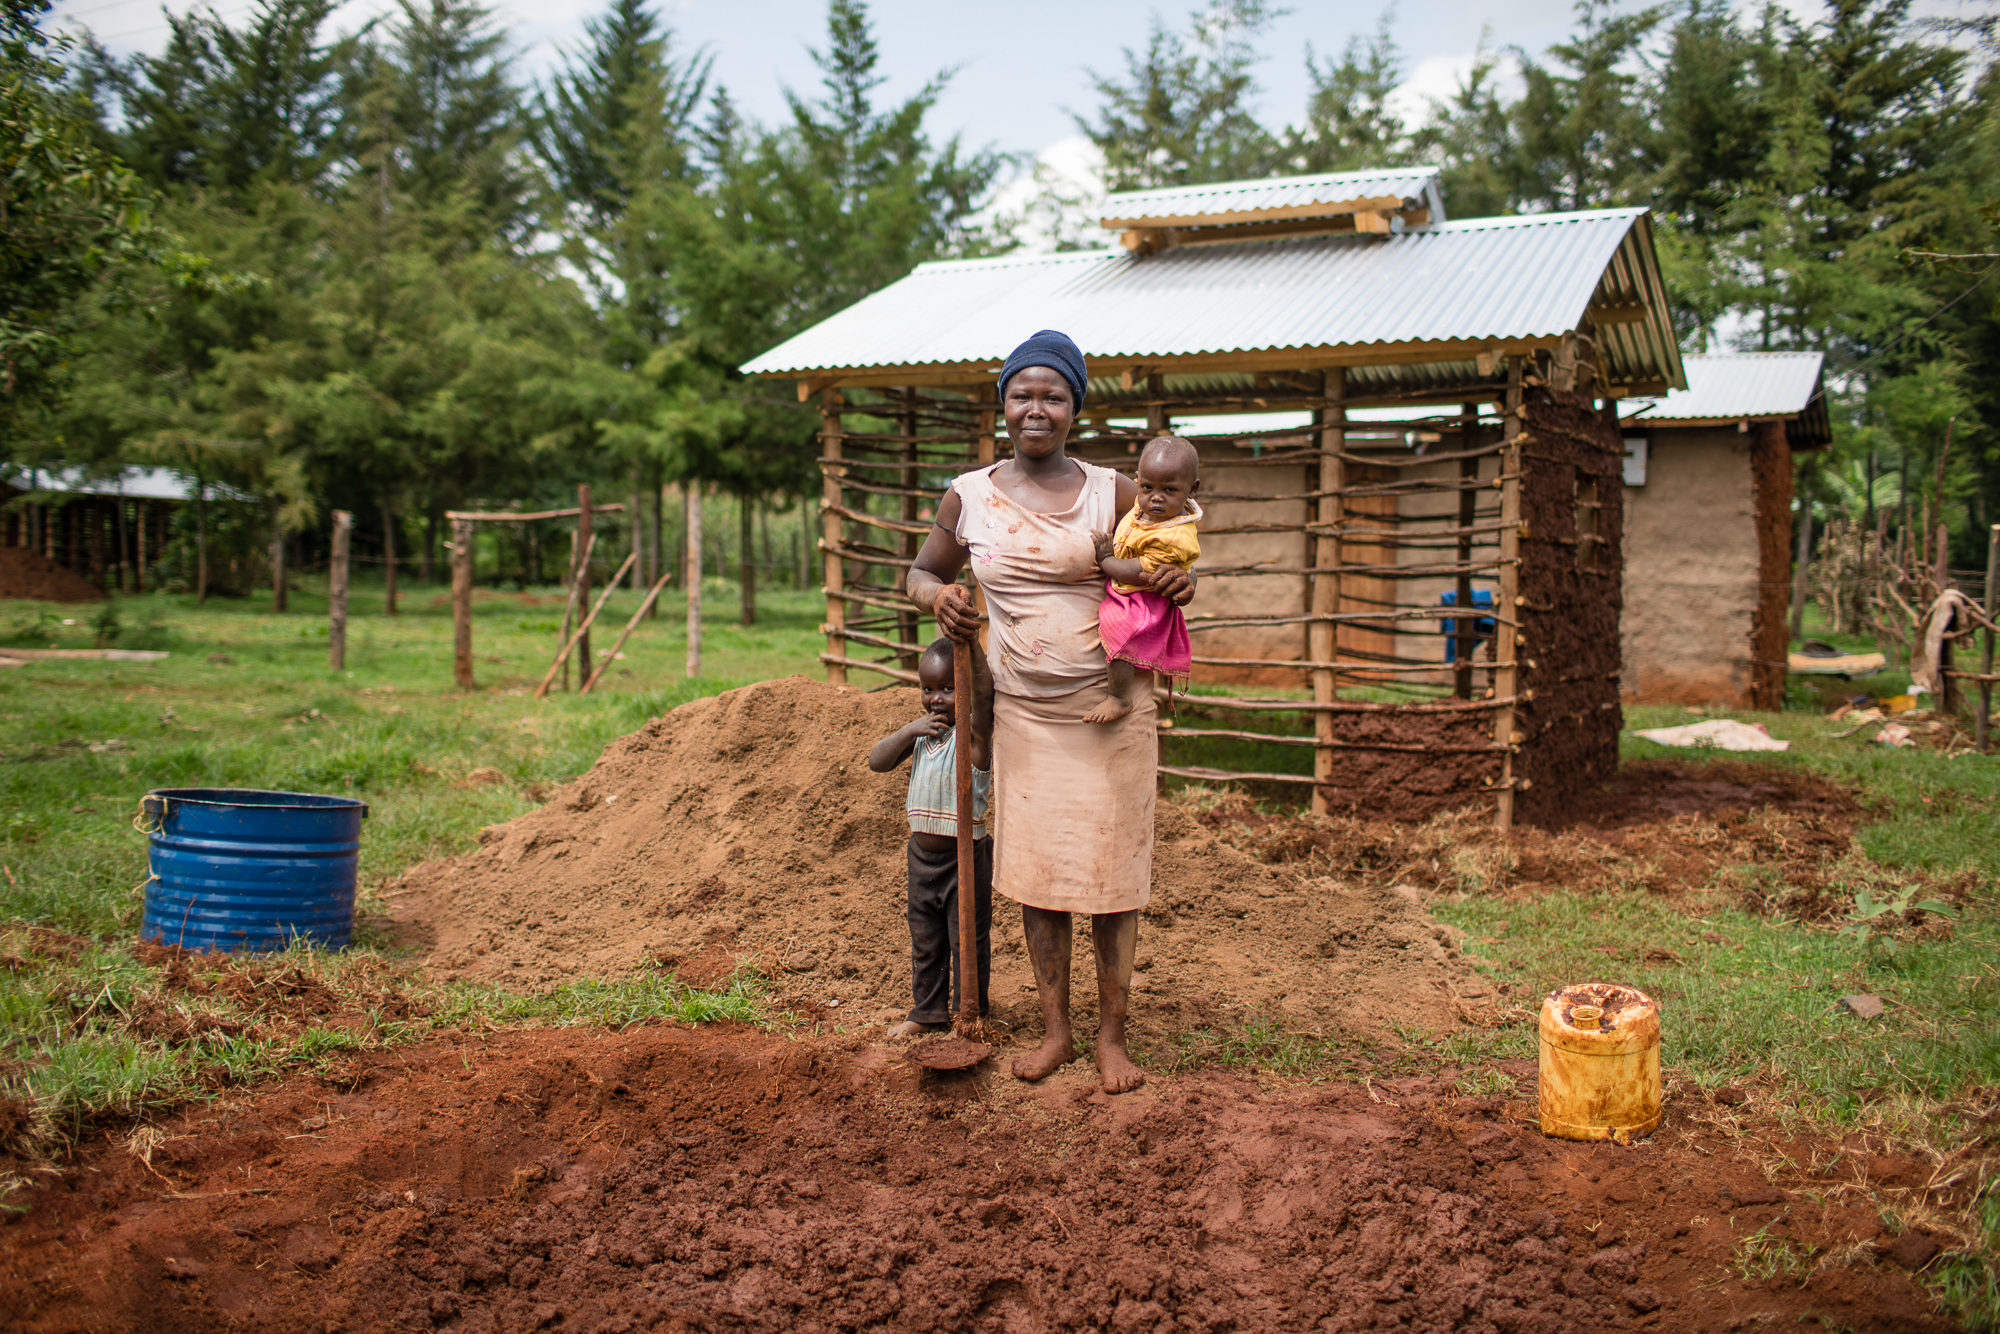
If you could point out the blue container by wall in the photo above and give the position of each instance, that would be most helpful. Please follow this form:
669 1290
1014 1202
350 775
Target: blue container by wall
239 869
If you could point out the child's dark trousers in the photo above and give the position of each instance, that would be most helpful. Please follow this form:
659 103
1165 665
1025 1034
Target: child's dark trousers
934 929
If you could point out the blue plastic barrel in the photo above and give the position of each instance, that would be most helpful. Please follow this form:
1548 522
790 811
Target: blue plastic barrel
238 869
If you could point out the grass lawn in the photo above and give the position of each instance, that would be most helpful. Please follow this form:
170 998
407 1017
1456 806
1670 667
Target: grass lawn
247 699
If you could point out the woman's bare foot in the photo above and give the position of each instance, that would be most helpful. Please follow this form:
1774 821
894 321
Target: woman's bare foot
1115 1069
1110 711
910 1028
1045 1060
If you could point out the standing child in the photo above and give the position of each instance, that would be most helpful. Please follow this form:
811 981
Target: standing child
933 810
1141 630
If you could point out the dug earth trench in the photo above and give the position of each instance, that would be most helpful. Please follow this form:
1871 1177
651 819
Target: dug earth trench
675 1179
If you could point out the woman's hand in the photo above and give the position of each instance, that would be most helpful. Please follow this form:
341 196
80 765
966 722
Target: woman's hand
1174 583
956 616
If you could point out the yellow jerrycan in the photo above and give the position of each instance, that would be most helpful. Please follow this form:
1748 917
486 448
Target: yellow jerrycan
1600 1063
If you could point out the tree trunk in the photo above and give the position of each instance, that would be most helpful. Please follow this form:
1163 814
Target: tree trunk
424 557
388 556
746 541
1800 565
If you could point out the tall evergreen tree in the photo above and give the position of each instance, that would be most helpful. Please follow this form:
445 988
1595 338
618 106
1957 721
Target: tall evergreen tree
1349 125
1182 113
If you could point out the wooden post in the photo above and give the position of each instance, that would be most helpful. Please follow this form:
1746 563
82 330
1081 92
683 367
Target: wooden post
139 565
336 599
1801 566
908 543
124 549
833 577
583 658
388 556
660 558
652 597
278 591
1466 623
636 520
461 602
746 559
1507 604
1984 725
692 491
1325 637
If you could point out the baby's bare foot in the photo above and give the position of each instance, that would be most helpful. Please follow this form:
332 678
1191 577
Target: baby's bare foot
1115 1069
910 1028
1110 711
1045 1060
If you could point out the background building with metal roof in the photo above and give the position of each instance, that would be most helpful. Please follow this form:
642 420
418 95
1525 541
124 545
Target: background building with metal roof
1708 517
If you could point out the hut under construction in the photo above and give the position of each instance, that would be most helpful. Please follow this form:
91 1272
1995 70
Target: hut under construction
1418 418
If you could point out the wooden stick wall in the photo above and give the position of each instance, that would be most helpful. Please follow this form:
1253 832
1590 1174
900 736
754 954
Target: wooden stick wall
1379 527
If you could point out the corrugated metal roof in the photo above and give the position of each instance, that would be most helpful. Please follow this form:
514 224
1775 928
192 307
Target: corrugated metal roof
1297 196
1734 385
134 483
1475 282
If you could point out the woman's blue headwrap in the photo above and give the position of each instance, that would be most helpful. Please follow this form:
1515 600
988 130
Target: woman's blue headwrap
1055 351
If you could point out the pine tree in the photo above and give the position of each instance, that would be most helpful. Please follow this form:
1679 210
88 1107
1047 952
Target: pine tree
1181 113
1349 125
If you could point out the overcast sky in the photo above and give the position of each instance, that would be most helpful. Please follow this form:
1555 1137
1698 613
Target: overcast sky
1022 65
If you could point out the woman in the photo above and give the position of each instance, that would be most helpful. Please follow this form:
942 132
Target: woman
1073 800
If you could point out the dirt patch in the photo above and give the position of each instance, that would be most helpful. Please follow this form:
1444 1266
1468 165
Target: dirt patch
747 826
1775 840
31 575
665 1179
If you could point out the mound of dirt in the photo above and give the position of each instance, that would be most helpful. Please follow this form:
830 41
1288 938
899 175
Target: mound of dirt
747 825
671 1180
31 575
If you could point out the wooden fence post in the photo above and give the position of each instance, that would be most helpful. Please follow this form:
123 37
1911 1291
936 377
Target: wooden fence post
1984 725
278 598
1507 605
692 492
1324 639
461 602
336 602
583 661
833 577
388 556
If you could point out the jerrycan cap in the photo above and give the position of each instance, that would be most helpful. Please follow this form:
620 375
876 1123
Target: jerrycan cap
1603 1017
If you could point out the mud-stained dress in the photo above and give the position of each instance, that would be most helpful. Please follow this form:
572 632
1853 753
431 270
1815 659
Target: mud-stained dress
1072 814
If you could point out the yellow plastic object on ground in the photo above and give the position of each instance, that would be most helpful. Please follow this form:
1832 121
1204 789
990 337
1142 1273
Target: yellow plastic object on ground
1600 1063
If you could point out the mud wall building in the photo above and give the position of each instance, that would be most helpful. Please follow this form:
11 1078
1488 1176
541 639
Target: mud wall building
1708 518
1335 550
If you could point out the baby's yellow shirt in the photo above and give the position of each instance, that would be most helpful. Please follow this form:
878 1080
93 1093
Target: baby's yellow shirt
1173 542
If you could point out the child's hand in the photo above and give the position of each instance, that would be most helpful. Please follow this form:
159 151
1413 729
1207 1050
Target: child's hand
930 725
1104 545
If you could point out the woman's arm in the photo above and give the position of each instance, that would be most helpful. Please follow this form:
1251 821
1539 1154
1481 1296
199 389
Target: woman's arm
938 563
982 712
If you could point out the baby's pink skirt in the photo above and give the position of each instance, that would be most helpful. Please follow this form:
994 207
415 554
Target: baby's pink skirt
1147 631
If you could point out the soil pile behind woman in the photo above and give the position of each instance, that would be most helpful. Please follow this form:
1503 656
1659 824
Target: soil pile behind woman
748 826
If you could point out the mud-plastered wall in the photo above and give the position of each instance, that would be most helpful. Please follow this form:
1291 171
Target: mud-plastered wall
1251 594
1570 594
1692 569
1771 474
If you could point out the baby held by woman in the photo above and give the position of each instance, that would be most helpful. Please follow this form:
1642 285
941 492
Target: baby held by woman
1142 631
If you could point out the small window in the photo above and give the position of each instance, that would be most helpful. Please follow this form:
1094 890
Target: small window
1635 460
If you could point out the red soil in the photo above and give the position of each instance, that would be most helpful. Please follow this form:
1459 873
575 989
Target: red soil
29 574
670 1179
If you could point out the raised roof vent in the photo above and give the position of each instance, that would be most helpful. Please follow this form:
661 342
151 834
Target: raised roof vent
1384 201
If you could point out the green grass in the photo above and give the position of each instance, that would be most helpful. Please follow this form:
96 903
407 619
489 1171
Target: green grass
247 699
